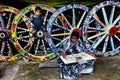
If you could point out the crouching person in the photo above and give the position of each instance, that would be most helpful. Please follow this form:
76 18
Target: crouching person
73 45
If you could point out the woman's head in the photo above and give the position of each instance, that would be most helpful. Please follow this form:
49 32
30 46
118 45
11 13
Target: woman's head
74 36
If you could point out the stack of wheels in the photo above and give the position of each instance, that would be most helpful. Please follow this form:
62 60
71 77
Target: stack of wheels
101 29
29 42
63 21
7 50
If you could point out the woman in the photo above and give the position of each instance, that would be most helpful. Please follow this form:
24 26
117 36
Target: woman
73 45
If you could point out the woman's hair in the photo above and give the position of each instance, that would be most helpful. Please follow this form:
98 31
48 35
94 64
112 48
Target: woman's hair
38 8
76 34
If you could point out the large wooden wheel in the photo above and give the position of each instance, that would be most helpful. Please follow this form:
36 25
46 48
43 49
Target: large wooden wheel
63 21
7 49
101 29
29 43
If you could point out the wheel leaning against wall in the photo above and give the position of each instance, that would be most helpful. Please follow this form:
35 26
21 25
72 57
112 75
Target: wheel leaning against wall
63 21
101 29
7 49
28 42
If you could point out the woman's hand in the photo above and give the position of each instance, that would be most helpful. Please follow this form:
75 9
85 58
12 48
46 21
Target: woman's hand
90 53
63 54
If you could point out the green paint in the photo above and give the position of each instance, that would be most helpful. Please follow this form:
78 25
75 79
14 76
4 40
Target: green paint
60 3
22 52
19 56
52 55
25 10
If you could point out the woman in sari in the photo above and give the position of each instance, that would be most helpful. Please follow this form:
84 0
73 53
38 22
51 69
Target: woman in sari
73 45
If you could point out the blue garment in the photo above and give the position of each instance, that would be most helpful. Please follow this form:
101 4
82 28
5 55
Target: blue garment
69 48
38 22
71 71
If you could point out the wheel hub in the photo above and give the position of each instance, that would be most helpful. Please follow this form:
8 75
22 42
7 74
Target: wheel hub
40 34
113 31
3 35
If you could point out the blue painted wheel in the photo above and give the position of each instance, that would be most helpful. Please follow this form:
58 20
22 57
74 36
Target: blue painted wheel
63 21
101 29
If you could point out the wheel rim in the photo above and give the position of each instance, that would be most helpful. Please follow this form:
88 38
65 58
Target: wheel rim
101 29
7 50
61 24
27 41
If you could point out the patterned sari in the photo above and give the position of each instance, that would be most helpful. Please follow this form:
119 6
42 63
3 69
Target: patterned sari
71 71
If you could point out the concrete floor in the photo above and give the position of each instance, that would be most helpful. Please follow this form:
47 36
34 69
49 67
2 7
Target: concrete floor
105 69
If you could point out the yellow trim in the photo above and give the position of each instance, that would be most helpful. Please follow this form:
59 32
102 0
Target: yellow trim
39 34
2 35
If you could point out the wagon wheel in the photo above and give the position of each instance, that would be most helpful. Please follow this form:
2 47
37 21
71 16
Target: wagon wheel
27 41
63 21
7 49
102 29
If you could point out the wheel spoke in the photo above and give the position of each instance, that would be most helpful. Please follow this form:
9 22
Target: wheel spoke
80 21
25 47
91 21
23 40
91 41
2 21
105 16
73 18
91 31
45 18
61 20
45 51
99 41
20 28
96 28
21 32
105 44
10 49
98 20
61 41
66 21
54 30
117 38
56 38
62 34
23 37
96 35
36 47
112 43
116 20
9 21
2 47
61 27
112 15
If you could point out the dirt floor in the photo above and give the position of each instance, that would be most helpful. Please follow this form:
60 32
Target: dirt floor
105 69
